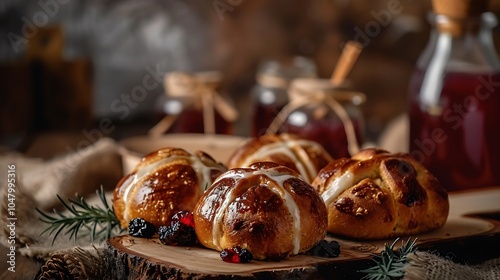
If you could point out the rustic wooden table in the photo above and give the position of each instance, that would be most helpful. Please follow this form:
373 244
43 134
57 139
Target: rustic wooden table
454 241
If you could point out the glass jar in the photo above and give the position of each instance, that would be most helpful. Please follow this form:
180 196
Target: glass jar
455 99
269 95
323 112
192 104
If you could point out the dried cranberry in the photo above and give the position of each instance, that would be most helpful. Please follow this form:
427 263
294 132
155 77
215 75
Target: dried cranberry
236 255
139 227
229 255
184 217
244 255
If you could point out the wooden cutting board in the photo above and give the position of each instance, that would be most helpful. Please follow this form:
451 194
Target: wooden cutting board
138 257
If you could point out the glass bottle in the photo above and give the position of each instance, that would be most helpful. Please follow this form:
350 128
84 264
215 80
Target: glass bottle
269 95
192 104
455 98
323 112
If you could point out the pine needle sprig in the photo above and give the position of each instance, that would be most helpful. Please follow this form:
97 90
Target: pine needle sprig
98 222
390 263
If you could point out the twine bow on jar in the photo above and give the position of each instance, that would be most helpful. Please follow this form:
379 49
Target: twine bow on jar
317 91
272 81
196 88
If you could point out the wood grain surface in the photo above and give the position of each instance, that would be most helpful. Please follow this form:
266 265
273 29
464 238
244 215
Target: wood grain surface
138 256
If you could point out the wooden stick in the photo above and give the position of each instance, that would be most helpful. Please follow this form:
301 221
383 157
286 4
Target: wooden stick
161 127
346 61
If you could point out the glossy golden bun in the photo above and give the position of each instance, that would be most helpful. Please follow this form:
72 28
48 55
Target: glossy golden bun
265 208
303 156
376 195
164 182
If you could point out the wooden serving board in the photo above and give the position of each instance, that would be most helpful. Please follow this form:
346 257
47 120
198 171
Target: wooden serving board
148 258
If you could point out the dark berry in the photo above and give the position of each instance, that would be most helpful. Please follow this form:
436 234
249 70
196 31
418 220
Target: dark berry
244 255
184 217
139 227
177 234
236 255
326 249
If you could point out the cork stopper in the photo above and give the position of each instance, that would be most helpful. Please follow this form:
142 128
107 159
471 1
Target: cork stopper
460 9
456 17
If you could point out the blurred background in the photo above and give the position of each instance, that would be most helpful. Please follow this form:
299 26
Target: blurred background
73 66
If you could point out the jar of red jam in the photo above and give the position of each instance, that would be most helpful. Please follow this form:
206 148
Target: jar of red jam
321 111
193 104
455 98
270 94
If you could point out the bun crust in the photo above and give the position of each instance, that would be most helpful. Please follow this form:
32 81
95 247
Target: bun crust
164 182
265 208
376 195
303 156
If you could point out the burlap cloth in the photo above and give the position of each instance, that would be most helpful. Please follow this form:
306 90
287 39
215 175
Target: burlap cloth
83 172
38 182
424 265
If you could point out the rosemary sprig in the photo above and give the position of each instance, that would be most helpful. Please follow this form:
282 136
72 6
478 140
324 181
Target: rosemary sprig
99 223
390 263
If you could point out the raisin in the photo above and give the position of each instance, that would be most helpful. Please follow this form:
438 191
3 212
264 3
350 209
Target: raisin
326 249
139 227
177 233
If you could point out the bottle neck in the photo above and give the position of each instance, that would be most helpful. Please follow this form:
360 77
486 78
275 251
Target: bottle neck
457 27
463 46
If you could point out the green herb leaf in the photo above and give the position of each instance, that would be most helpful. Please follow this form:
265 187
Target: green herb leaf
390 263
97 222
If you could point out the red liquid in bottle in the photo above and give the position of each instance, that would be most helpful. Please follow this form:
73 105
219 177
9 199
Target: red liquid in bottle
190 120
330 134
461 145
263 117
